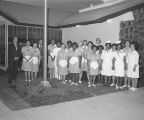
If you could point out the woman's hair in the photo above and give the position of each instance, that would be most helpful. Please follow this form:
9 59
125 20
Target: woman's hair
53 39
69 42
74 43
108 44
100 46
119 44
113 45
90 42
94 46
35 43
128 41
58 42
85 40
135 44
28 41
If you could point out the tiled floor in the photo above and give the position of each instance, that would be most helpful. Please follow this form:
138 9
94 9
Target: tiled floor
125 105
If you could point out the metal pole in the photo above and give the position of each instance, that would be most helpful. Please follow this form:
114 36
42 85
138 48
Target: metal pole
45 82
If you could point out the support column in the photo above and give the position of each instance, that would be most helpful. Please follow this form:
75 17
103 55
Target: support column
45 82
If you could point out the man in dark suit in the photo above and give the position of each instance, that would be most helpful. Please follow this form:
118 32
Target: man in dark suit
14 55
40 46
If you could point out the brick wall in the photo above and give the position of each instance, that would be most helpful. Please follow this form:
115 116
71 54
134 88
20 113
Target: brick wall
134 31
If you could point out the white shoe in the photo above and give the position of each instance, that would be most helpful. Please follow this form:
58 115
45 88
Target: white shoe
129 86
121 87
69 80
64 82
72 83
93 85
76 84
80 81
89 85
112 85
133 89
29 80
124 86
117 87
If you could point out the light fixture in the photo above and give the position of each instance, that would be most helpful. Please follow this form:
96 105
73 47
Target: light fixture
77 26
105 4
109 21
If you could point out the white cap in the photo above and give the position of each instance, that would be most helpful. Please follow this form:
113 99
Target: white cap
108 41
118 42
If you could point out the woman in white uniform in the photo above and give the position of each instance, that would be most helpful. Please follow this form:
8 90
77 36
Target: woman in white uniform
106 63
133 66
120 64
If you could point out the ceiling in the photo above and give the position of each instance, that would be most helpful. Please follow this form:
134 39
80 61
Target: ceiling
59 15
66 5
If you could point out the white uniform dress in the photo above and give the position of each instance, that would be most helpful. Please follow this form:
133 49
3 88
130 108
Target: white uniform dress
132 60
119 63
107 63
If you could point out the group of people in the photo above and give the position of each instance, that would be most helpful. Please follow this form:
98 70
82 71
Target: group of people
31 61
112 65
109 65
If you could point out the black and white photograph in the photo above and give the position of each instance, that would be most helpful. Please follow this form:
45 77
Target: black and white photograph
71 59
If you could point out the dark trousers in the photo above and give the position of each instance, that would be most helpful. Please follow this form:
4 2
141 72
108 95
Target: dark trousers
41 68
13 70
